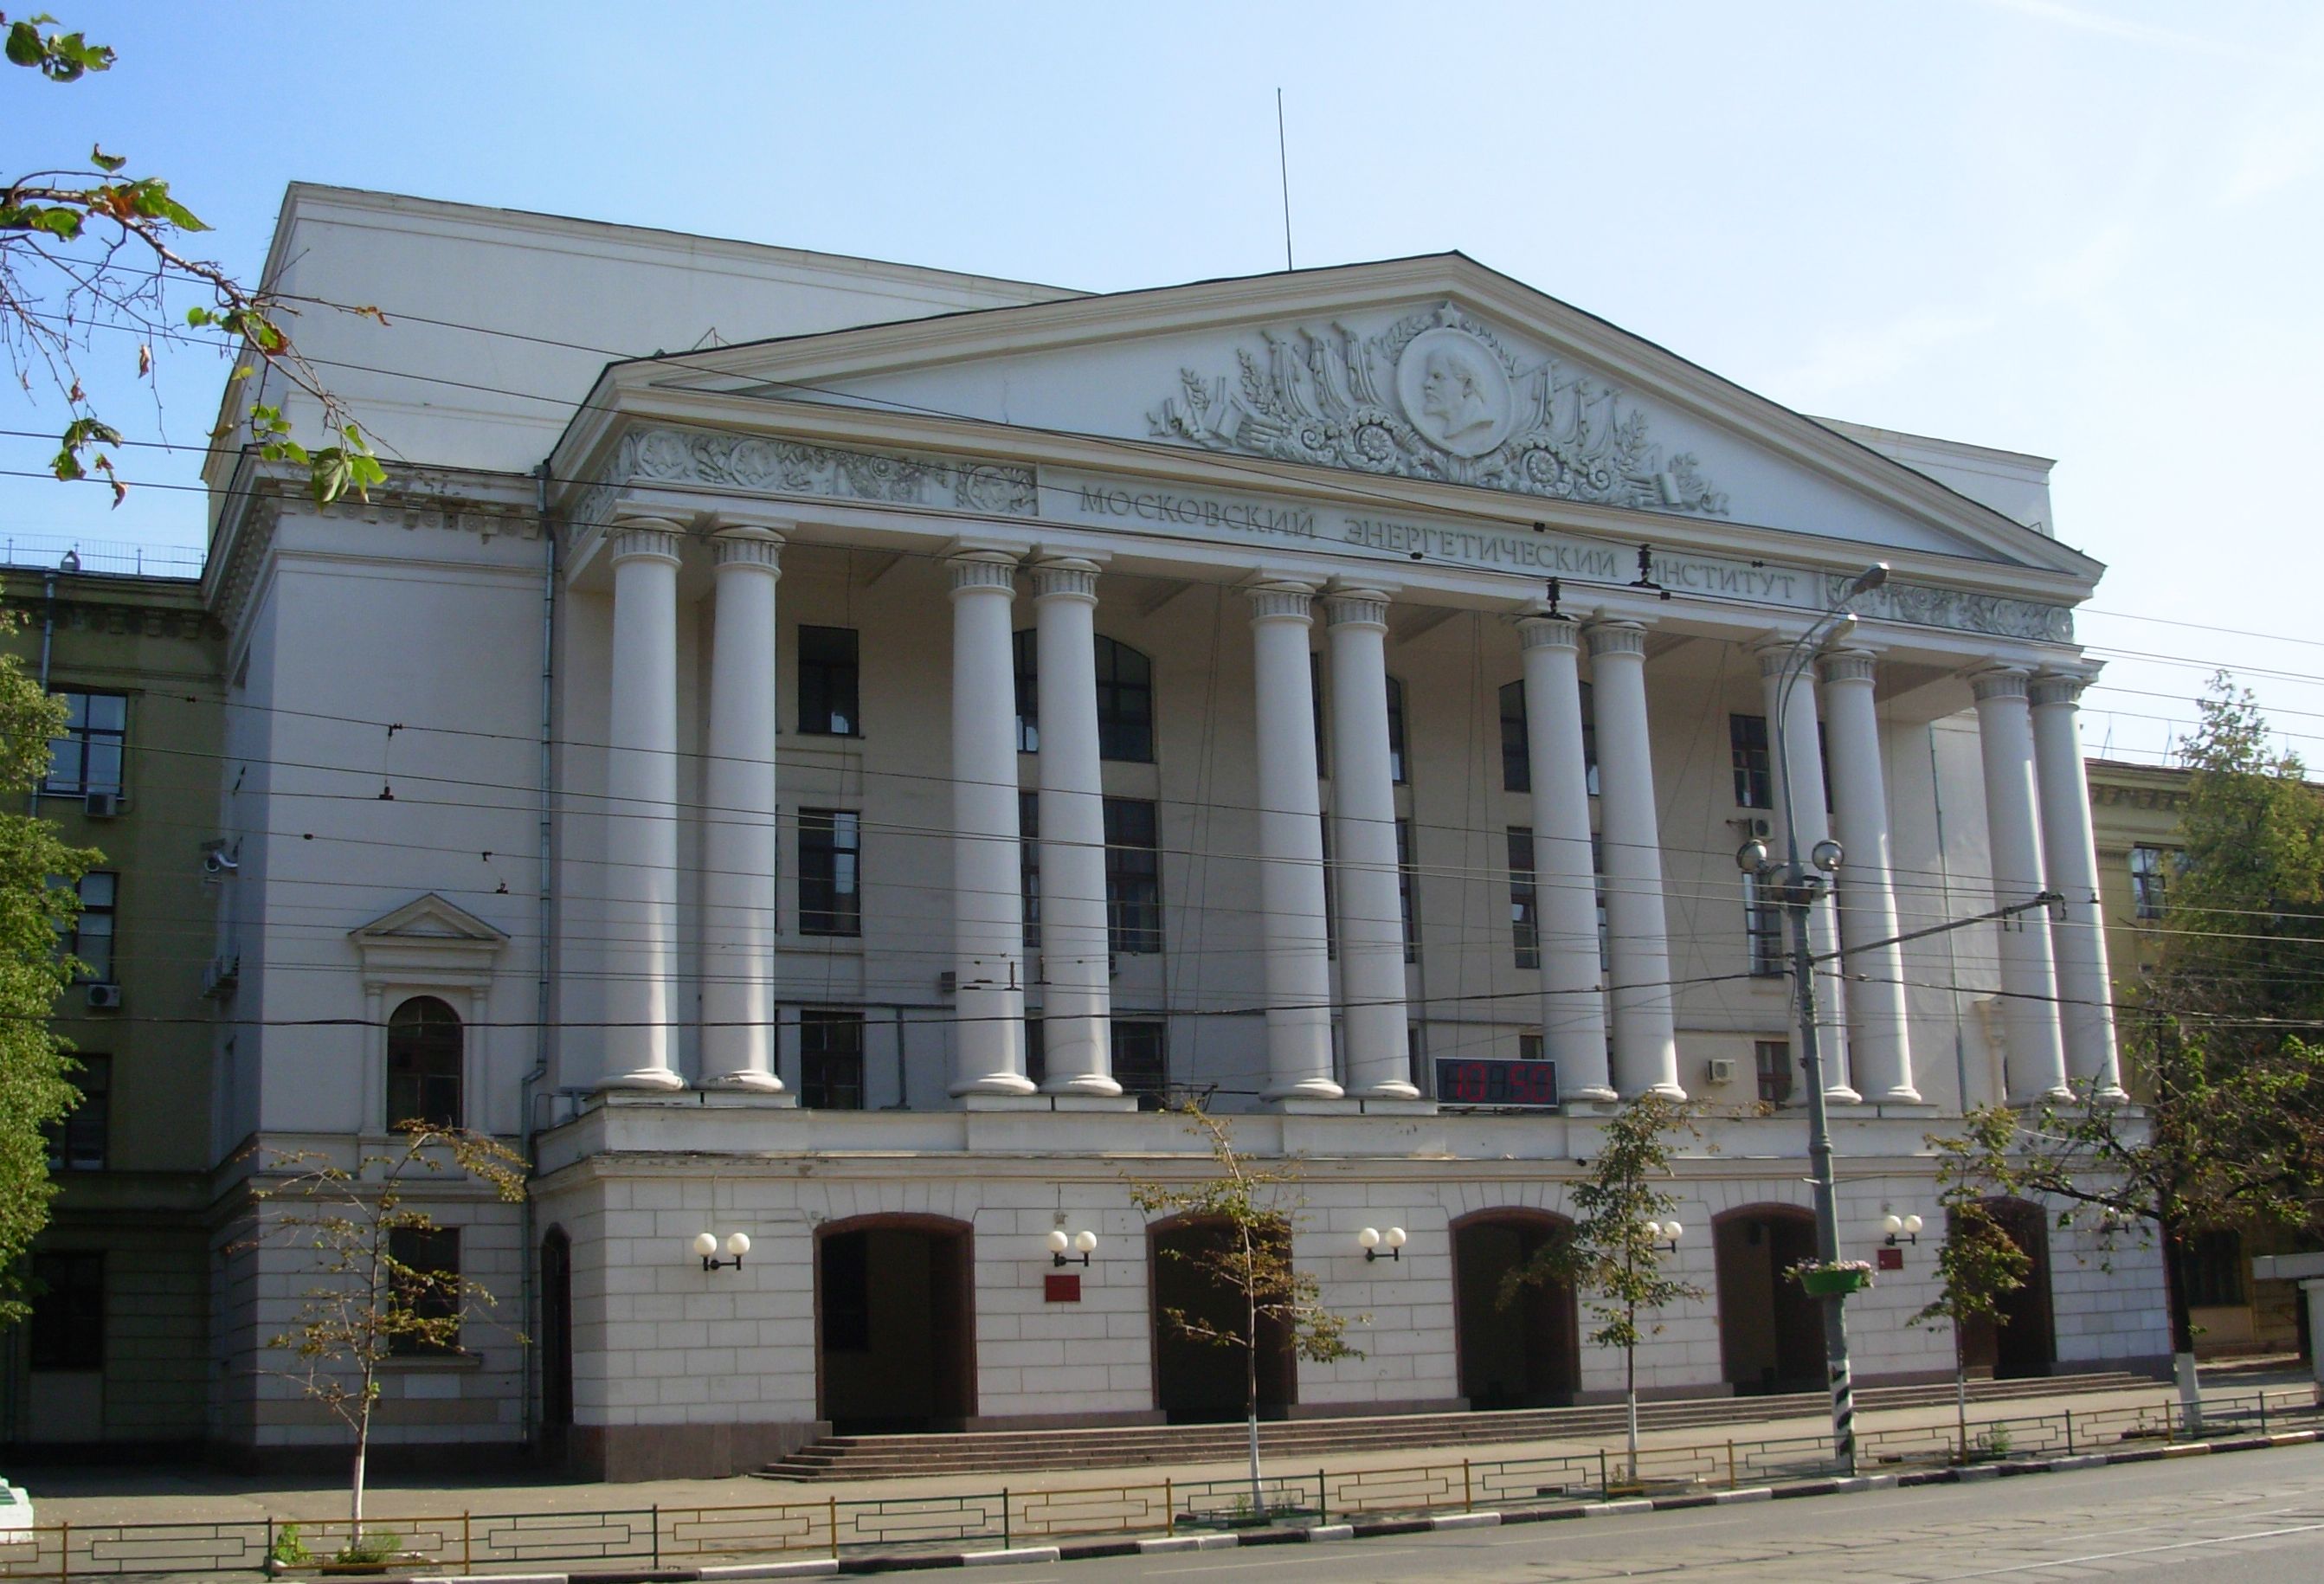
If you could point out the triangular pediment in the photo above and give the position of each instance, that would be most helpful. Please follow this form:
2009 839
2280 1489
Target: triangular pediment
429 917
1435 371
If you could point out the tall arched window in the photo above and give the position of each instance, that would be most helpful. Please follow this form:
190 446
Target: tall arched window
1125 700
425 1044
1395 762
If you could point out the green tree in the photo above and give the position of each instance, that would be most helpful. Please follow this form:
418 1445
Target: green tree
368 1303
1615 1250
1258 1208
1978 1263
37 900
91 247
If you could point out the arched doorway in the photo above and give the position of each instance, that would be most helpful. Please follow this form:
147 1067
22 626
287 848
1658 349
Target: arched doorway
2023 1347
895 1334
556 1344
1195 1382
1527 1354
1770 1331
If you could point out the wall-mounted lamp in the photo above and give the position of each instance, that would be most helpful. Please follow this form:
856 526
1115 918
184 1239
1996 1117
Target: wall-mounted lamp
1082 1243
1665 1235
1373 1240
1908 1227
705 1244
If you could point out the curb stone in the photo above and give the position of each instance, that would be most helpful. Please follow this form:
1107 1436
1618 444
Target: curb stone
824 1567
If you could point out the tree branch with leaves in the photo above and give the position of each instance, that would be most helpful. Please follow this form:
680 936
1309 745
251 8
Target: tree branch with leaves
94 248
1979 1264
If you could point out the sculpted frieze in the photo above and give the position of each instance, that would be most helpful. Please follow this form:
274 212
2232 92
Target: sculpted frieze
789 467
1963 613
1438 395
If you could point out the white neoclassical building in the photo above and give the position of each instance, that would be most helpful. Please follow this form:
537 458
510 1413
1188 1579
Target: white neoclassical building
832 779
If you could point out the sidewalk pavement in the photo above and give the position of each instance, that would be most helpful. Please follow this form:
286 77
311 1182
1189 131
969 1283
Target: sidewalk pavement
195 1494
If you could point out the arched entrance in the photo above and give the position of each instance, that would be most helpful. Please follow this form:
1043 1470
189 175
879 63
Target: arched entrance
1770 1331
895 1334
2025 1347
556 1344
1526 1355
1194 1382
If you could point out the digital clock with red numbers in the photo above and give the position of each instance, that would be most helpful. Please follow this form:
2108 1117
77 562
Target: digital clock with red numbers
1487 1082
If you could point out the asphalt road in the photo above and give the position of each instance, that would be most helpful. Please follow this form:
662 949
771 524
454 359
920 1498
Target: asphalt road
2217 1520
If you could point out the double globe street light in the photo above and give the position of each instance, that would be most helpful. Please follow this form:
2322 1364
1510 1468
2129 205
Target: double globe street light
1796 887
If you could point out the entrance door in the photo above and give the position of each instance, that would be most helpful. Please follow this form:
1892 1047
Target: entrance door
1196 1382
1770 1331
2022 1346
556 1344
1525 1354
894 1325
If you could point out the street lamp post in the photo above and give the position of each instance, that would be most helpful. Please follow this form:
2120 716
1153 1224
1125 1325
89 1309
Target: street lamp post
1795 888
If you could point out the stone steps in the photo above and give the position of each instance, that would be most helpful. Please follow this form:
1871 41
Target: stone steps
874 1456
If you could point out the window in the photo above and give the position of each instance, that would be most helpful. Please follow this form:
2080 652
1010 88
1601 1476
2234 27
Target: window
90 938
831 900
1597 880
846 1274
1516 742
76 1142
1125 699
1747 740
1125 703
1141 1060
828 680
1133 877
86 756
831 1061
1395 764
1589 738
425 1044
2211 1269
2150 882
1028 864
427 1286
1330 894
1037 1050
67 1329
1772 1060
1404 888
1530 1047
1763 929
1315 696
1525 924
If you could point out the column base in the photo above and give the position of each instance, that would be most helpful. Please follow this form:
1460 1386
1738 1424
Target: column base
659 1080
1305 1088
2113 1097
1667 1090
1092 1085
746 1081
1595 1095
996 1085
1840 1094
1394 1089
1903 1095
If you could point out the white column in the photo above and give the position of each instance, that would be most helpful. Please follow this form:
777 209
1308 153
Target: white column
1564 880
1879 1048
1646 1046
2085 986
987 901
1800 813
641 808
1363 853
2035 1055
738 839
1290 849
1076 1023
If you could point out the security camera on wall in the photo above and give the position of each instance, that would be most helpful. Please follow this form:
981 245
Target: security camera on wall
217 861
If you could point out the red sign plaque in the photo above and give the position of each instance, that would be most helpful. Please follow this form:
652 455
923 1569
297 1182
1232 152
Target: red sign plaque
1061 1287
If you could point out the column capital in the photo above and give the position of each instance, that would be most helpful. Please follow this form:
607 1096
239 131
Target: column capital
1281 602
758 548
1357 607
1065 578
2056 689
1548 632
1617 637
983 572
2001 682
1849 665
645 538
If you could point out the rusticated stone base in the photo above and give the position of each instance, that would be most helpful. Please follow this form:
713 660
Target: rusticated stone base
683 1451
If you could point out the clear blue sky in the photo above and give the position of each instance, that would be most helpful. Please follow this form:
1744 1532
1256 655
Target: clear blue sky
2088 229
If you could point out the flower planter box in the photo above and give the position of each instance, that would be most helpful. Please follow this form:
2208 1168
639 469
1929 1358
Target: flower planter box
1823 1284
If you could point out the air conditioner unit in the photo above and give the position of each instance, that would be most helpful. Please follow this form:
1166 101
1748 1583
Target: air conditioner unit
104 997
102 805
947 983
1722 1069
1762 829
